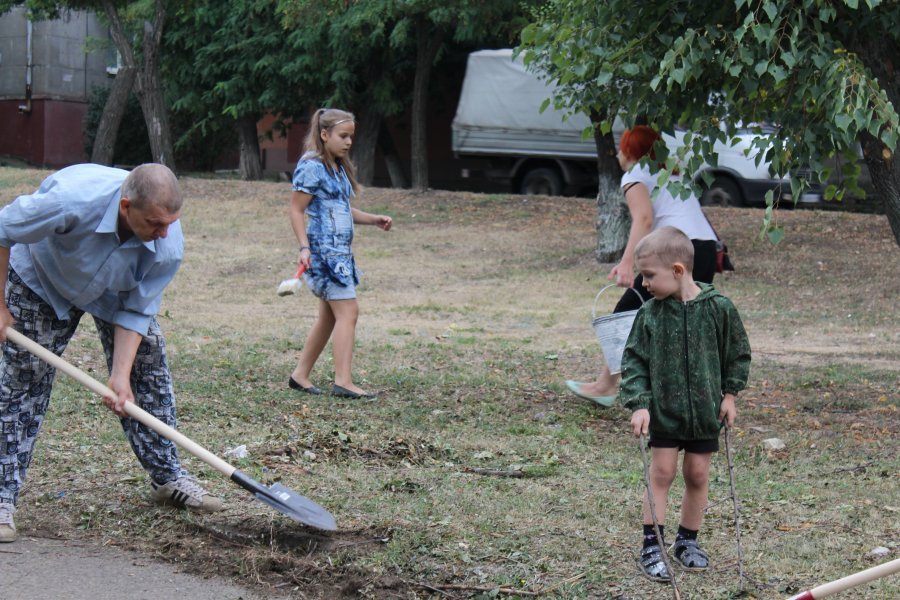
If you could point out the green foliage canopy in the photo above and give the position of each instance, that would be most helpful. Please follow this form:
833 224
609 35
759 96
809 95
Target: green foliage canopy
336 43
226 61
340 40
803 65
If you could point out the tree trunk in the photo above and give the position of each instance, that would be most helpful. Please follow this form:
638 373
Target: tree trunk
156 116
880 54
427 44
613 218
368 124
148 85
248 140
607 163
150 91
884 167
365 142
104 150
392 158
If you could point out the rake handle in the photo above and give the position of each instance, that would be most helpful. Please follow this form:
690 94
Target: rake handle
735 502
133 410
845 583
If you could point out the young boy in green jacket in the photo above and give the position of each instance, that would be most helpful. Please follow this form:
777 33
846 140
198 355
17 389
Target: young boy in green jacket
685 361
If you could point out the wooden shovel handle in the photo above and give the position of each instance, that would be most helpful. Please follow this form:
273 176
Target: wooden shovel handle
133 410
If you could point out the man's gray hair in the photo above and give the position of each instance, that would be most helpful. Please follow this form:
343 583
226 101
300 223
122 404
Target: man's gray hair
153 184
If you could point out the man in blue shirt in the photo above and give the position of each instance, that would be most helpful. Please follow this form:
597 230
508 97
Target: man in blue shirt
103 241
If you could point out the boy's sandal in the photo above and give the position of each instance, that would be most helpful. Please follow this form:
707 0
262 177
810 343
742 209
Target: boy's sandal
690 556
652 564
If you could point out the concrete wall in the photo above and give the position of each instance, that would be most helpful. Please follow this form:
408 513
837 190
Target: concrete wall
63 74
61 69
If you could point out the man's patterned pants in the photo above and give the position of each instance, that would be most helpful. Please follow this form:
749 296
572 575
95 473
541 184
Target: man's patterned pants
26 383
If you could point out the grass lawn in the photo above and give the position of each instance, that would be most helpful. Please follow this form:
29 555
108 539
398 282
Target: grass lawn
474 310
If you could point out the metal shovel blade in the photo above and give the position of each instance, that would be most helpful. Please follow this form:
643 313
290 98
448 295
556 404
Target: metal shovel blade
288 502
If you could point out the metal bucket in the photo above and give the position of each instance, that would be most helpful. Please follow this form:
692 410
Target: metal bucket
612 331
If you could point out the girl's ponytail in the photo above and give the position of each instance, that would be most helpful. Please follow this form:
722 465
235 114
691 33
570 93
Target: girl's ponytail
326 118
313 142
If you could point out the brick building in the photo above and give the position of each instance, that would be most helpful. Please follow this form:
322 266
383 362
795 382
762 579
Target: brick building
46 75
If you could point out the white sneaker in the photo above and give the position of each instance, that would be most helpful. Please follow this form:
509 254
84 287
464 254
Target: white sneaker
7 527
185 492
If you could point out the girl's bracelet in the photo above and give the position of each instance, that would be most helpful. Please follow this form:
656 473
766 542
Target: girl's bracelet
302 248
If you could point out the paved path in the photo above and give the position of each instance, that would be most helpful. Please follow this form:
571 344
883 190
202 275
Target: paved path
44 569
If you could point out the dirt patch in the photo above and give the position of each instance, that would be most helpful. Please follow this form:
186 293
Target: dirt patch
280 557
505 265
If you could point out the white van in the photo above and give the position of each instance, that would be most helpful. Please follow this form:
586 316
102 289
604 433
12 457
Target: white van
498 121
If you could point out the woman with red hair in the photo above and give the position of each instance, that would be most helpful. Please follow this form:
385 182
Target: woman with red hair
648 214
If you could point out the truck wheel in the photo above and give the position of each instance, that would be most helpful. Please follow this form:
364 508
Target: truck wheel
723 191
541 181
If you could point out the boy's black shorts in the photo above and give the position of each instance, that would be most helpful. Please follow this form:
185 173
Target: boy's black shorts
692 446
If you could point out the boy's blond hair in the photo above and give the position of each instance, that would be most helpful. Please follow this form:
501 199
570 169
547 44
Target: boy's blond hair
670 245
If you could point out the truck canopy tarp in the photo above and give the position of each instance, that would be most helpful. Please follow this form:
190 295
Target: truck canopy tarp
499 112
500 92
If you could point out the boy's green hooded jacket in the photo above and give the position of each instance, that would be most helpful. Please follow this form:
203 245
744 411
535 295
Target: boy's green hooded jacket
680 358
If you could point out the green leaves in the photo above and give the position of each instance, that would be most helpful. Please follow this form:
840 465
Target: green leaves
777 73
789 59
889 138
843 121
604 77
764 34
798 65
775 235
761 68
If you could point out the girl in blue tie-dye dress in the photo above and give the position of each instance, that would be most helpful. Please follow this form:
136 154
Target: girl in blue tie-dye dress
322 219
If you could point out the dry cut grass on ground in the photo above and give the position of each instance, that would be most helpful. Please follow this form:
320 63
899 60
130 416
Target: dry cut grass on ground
474 310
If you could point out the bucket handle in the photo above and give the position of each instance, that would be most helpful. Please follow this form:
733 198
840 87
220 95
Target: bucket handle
594 307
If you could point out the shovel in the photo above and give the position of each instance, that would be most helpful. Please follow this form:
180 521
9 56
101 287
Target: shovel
282 499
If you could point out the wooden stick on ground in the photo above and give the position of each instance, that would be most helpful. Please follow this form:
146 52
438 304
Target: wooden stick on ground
517 473
665 556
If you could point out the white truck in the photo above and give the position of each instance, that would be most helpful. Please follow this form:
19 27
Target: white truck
498 121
